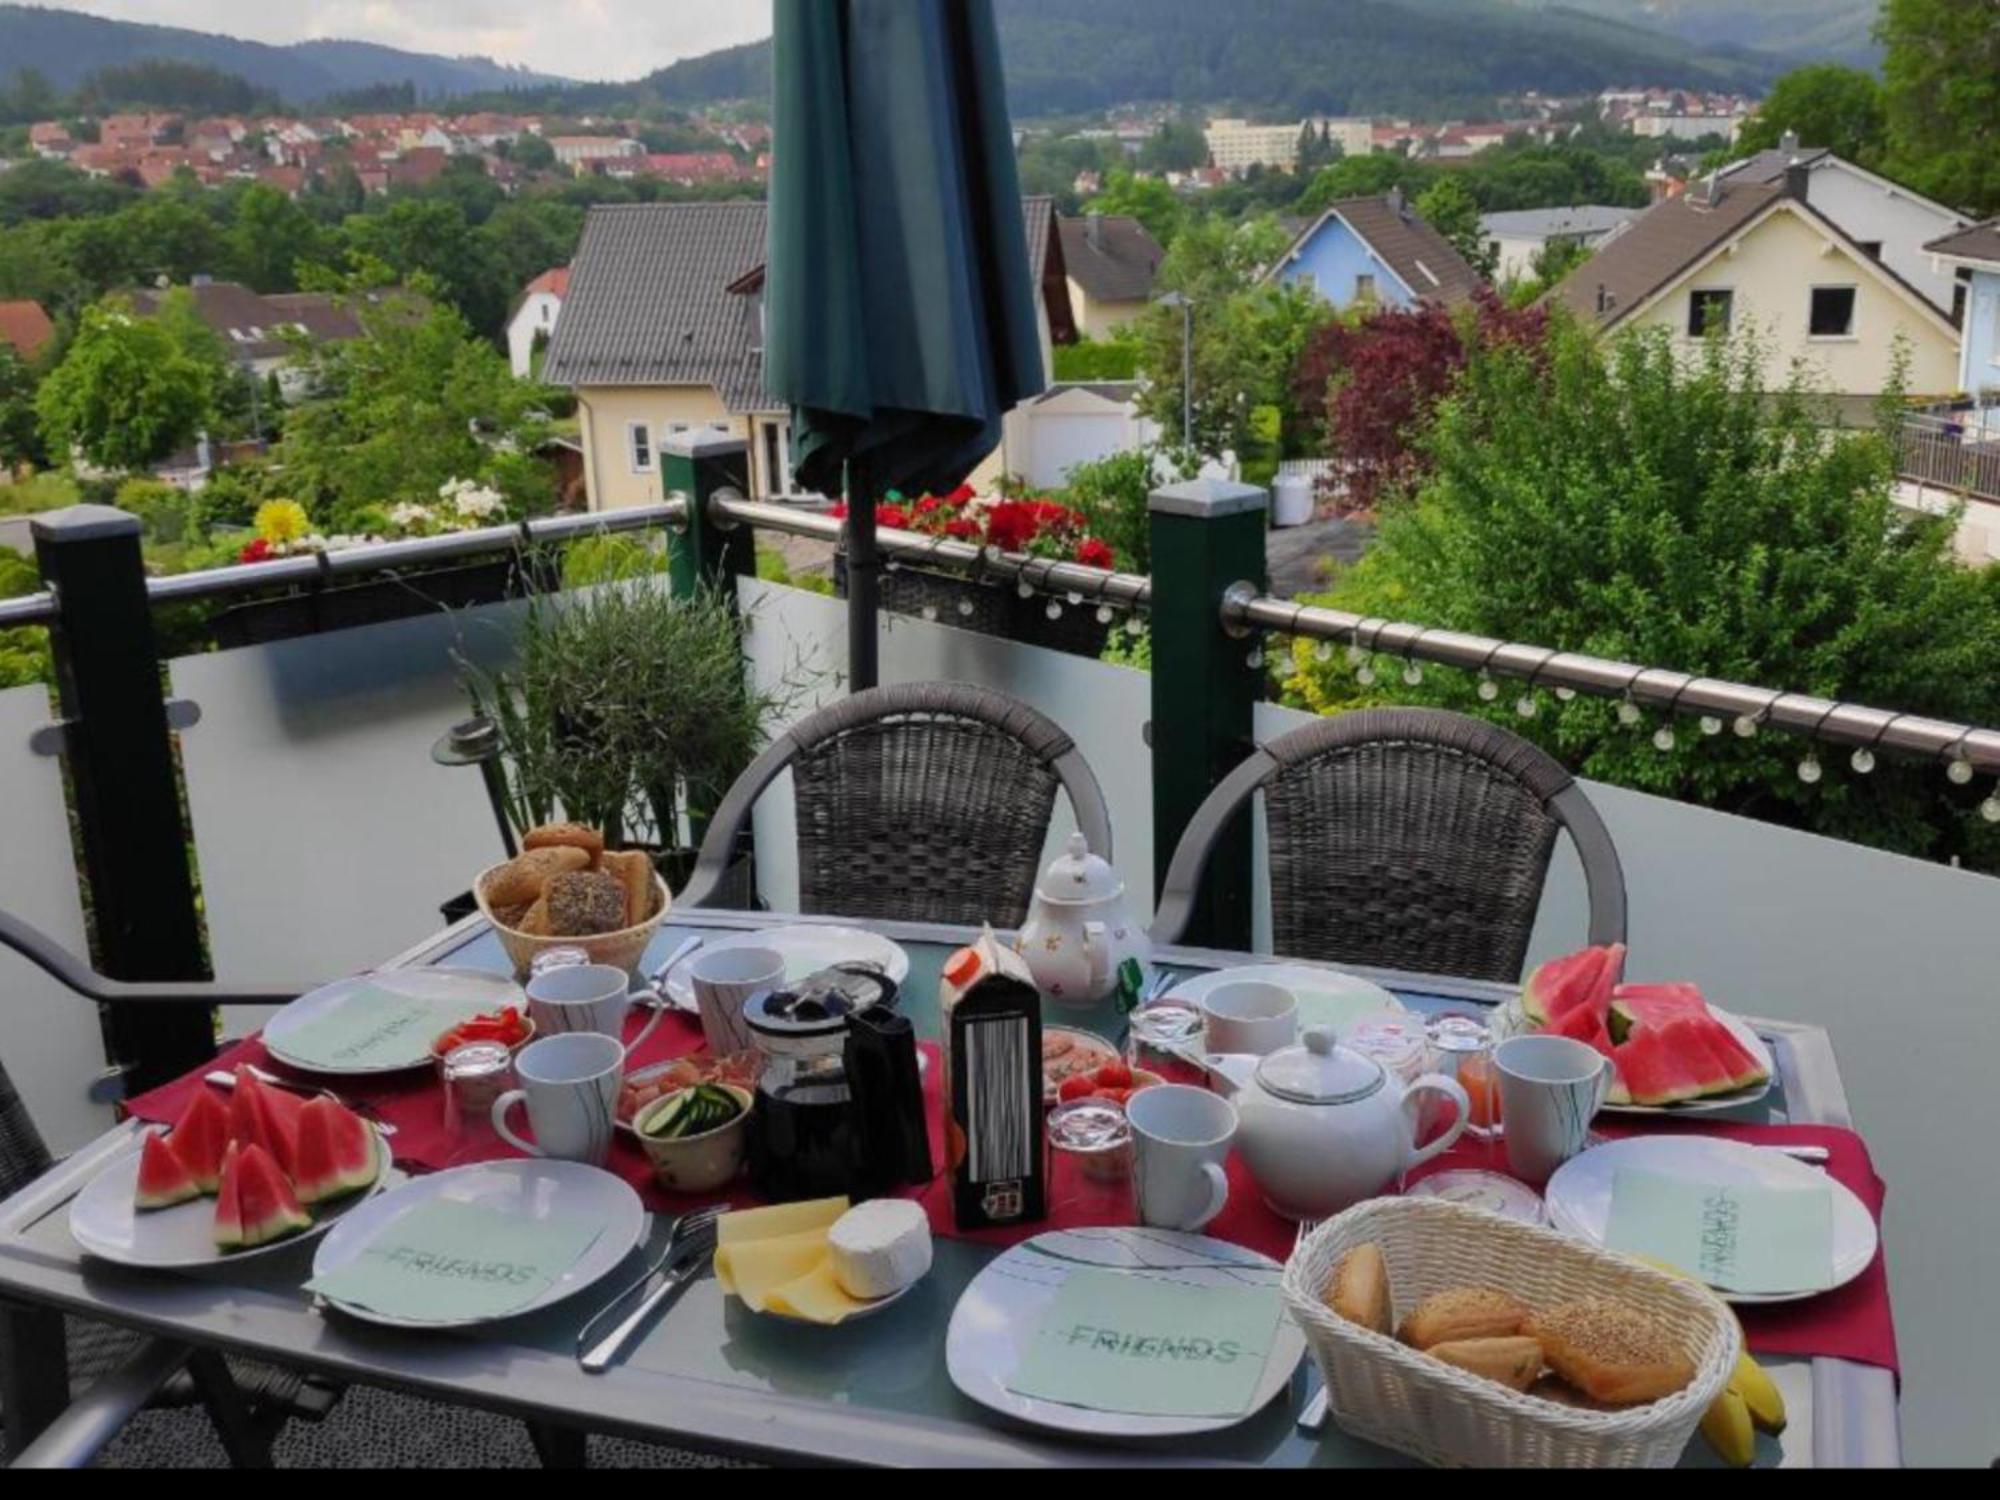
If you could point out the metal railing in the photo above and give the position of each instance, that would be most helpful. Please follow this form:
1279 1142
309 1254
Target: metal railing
1946 450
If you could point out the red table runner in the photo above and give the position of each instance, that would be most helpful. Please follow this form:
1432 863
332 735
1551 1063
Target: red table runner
1854 1323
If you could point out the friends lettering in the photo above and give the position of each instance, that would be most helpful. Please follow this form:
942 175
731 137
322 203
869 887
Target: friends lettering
458 1268
1721 1218
1154 1348
392 1029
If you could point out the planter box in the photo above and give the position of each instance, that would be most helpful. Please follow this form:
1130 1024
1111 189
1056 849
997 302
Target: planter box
989 607
376 603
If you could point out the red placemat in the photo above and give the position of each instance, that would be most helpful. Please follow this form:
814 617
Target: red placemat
1853 1323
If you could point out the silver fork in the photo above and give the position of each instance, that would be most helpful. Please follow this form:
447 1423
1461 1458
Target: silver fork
689 1249
1312 1421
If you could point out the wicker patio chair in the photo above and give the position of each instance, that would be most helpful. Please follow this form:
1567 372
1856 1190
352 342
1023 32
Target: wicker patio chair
1406 839
923 803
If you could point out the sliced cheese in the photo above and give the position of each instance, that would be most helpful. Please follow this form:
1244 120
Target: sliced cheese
817 1297
755 1270
774 1223
881 1248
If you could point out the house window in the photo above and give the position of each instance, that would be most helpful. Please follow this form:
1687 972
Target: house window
1832 312
1364 287
639 443
1872 249
1710 311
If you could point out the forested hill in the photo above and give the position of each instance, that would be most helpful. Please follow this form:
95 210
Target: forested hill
66 48
1422 57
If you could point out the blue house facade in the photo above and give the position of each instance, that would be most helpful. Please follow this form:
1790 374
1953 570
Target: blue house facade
1375 250
1975 253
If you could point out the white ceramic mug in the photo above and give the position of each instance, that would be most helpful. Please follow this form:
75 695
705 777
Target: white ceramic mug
564 1002
1249 1018
1551 1088
723 979
1180 1140
570 1085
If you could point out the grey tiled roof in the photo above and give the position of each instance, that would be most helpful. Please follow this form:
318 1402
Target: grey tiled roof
1588 219
1980 242
1118 264
650 299
1769 166
1422 259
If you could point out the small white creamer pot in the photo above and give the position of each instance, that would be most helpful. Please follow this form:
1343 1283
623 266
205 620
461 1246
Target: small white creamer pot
1324 1128
1079 931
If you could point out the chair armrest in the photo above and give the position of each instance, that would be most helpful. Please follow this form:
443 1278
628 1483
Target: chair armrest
100 1413
46 954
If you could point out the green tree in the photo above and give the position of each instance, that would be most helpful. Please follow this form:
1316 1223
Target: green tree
1317 149
1823 105
269 239
1147 199
1359 177
128 392
1636 504
1942 82
1448 206
20 434
534 154
430 238
1180 145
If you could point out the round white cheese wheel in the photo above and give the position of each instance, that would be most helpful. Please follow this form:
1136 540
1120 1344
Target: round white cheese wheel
880 1248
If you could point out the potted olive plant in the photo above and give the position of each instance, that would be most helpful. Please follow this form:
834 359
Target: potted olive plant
624 708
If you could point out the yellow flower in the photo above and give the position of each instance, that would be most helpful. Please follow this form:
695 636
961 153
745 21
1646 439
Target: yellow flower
282 522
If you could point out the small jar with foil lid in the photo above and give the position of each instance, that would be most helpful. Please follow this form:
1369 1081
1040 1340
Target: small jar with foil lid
551 959
475 1076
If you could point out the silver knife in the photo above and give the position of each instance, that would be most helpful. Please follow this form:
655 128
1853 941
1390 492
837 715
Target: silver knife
601 1358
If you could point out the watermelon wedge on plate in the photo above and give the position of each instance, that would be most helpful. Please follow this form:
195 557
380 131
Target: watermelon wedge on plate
201 1139
260 1115
1564 985
336 1153
257 1206
164 1179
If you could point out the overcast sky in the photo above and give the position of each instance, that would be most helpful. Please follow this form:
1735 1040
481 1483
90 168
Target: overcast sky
579 38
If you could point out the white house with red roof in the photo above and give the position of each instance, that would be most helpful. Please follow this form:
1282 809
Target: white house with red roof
534 320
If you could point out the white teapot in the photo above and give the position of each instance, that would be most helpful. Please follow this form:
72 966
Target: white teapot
1324 1128
1078 932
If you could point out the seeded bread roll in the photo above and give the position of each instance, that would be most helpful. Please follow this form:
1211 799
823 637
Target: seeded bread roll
1464 1313
567 836
1360 1291
587 905
523 881
634 871
1515 1363
1611 1353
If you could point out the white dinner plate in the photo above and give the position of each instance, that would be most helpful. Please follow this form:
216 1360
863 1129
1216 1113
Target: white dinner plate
879 1305
807 950
996 1321
1513 1022
1327 997
106 1222
458 994
1579 1195
531 1190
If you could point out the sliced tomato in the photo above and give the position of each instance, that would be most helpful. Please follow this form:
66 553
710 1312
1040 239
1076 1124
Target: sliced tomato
1079 1087
1115 1075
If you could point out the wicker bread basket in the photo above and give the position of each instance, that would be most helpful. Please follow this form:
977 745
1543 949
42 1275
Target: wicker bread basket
615 950
1390 1394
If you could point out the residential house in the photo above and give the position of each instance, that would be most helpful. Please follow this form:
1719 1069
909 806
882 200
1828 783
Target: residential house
1517 240
1235 146
258 330
50 140
534 322
1113 262
133 132
1744 255
662 334
1973 257
1376 250
26 328
578 152
1888 219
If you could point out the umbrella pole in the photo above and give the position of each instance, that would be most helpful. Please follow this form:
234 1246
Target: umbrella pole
864 591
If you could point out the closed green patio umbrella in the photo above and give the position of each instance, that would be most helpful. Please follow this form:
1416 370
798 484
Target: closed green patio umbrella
901 322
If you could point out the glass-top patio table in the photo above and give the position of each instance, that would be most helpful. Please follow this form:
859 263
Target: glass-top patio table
711 1377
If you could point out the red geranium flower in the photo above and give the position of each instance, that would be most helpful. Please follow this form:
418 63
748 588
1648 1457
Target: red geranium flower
892 518
258 551
963 529
930 505
963 495
1012 526
839 512
1095 553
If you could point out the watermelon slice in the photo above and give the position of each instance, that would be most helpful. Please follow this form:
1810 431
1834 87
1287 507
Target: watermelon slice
1716 1056
260 1115
1654 1071
201 1139
229 1202
1583 1024
257 1206
336 1153
1566 984
164 1179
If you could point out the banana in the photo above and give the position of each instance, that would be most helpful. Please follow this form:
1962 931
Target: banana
1730 1431
1760 1393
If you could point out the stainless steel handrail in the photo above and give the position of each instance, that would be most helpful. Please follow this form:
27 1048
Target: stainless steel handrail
29 609
1097 585
1654 687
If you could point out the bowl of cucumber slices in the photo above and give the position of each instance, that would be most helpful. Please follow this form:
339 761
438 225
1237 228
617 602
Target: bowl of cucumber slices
695 1138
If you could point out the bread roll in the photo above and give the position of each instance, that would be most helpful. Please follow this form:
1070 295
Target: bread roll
1515 1363
634 871
588 904
1611 1352
567 836
524 880
1470 1312
1360 1291
536 922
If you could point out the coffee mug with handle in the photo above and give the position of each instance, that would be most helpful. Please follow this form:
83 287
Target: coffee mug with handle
724 980
570 1085
593 998
1249 1018
1180 1141
1551 1088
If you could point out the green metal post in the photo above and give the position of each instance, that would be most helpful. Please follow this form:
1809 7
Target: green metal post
1208 537
698 466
